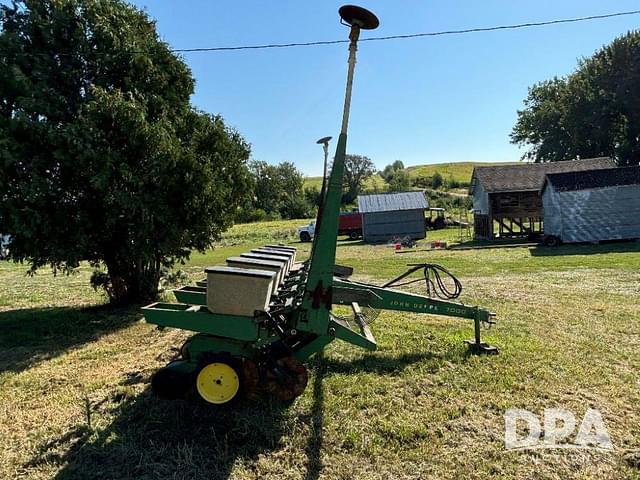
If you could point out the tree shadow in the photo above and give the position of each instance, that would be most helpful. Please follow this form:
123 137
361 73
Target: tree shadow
586 248
151 438
33 335
157 439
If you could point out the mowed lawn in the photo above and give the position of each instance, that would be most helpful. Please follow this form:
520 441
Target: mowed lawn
75 401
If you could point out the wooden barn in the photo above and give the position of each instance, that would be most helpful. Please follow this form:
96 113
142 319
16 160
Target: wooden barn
506 198
386 216
592 206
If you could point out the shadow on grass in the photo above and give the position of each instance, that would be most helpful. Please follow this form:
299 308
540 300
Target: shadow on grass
496 243
314 444
385 364
586 249
30 336
347 242
152 438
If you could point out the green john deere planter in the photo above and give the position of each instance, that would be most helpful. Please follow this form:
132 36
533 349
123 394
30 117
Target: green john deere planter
258 319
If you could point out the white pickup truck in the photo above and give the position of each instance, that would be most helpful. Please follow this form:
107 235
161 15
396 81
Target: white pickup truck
349 223
307 232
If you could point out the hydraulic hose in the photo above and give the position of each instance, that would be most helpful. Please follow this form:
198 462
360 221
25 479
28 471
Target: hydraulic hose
432 276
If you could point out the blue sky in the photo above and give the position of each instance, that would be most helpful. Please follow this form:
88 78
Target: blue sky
425 100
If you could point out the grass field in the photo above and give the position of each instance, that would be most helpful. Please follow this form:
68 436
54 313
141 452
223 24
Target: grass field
313 182
371 184
458 171
75 400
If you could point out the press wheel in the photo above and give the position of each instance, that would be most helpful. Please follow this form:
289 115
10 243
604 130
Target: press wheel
286 378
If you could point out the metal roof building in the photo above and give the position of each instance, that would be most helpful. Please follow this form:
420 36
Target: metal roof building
506 198
591 206
386 216
529 177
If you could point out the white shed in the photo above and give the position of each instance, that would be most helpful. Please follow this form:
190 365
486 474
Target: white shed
592 205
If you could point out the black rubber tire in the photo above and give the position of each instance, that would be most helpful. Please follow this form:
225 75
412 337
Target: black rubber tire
305 237
184 351
438 223
354 234
170 384
551 241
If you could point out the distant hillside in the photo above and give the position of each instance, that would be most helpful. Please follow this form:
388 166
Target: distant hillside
459 171
376 182
313 182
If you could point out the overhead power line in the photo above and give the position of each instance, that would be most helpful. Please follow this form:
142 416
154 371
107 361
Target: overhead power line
412 35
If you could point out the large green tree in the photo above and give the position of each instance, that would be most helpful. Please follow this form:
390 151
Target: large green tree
278 189
593 112
357 168
102 157
391 169
400 181
396 177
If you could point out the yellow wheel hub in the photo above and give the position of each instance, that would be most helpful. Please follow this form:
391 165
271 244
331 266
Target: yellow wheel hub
218 383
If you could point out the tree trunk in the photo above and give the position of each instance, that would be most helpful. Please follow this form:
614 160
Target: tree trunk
130 284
